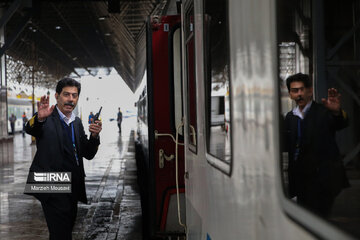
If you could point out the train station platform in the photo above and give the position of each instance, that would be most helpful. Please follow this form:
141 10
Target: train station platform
113 211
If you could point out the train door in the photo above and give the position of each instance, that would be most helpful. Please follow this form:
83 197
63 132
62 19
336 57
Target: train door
165 97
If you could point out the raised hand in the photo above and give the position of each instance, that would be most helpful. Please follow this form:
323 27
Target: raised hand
333 102
44 109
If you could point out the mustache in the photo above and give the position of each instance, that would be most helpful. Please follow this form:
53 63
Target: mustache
70 104
299 98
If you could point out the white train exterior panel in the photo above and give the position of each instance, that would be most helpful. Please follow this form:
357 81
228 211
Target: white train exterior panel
248 203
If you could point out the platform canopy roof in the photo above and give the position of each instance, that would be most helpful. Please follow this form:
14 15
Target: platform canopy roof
75 38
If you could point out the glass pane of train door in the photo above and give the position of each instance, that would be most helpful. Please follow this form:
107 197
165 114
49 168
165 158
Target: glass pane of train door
167 105
320 165
191 80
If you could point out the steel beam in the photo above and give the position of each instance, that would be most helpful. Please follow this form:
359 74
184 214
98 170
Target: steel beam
61 48
9 12
345 38
16 33
75 34
320 82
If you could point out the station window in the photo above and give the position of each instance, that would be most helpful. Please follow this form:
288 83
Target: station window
320 153
217 81
191 80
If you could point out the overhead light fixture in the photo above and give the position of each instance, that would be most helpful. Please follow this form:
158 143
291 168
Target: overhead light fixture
102 18
57 27
32 29
107 34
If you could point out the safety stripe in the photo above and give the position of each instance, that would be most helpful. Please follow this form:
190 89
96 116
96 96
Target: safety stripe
32 121
344 114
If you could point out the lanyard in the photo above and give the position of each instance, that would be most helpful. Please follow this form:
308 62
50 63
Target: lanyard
298 140
299 129
73 142
72 139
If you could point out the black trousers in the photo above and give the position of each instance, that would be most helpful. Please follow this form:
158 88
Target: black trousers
12 125
60 214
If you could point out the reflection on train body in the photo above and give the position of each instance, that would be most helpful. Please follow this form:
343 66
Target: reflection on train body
303 56
226 84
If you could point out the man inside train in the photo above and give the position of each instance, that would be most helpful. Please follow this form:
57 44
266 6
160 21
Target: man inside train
316 172
61 145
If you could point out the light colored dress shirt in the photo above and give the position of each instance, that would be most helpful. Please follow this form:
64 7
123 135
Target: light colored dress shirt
66 119
301 114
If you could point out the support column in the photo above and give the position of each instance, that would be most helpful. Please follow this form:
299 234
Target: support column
6 141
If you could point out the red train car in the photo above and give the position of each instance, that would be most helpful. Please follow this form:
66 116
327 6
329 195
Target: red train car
160 160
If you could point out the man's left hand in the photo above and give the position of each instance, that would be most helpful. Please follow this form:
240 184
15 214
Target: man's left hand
333 102
95 128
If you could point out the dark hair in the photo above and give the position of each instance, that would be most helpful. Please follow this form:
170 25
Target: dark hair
299 77
67 82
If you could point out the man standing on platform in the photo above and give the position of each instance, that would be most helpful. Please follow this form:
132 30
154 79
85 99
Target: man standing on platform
119 119
61 145
91 117
316 172
24 119
12 120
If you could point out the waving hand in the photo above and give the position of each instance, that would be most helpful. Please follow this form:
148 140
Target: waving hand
44 109
333 102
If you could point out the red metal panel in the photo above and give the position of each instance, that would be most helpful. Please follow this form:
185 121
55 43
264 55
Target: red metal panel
164 177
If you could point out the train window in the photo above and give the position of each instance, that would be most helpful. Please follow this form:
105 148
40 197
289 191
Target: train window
191 81
175 71
320 147
217 80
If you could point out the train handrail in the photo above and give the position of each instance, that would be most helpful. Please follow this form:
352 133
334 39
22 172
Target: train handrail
157 134
193 133
177 174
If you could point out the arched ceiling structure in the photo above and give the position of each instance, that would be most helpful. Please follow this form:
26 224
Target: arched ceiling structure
73 38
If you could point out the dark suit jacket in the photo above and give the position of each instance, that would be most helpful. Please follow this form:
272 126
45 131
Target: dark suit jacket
49 156
319 162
